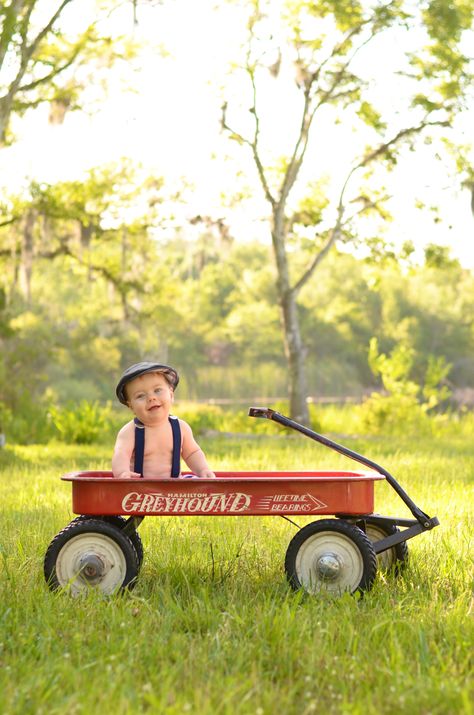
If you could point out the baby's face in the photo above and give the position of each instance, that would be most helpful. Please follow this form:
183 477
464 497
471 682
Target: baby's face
150 397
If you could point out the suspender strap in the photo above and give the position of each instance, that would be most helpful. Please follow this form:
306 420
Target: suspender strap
140 447
176 460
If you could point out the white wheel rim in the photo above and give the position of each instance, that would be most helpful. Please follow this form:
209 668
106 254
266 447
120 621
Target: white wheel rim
329 561
385 559
97 549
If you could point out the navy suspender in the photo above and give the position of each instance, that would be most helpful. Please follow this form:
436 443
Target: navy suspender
140 447
176 460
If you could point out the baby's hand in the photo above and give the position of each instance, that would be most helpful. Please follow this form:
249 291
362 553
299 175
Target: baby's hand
127 474
207 474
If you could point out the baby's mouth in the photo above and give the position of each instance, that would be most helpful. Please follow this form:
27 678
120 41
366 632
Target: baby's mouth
153 407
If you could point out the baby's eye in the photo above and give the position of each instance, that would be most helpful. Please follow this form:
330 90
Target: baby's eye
140 396
157 390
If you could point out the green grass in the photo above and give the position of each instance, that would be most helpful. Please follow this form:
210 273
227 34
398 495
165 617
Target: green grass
212 626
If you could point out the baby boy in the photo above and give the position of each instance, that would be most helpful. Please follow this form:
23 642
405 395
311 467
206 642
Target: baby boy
152 443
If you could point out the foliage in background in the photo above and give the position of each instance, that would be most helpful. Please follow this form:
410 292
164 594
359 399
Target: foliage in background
91 423
404 405
84 423
214 317
100 271
322 56
49 56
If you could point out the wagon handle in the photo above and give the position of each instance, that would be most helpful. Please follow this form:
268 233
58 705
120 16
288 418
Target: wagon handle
267 413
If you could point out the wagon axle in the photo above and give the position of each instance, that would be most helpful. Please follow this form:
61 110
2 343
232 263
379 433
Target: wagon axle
92 568
329 566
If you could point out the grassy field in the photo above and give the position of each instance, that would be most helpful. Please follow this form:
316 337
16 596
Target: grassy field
212 626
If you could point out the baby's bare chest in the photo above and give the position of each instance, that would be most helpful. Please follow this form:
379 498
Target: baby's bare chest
158 440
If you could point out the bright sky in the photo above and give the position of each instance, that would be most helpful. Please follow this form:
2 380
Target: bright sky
165 114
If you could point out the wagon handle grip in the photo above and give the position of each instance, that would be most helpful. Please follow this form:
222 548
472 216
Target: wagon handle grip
262 412
268 413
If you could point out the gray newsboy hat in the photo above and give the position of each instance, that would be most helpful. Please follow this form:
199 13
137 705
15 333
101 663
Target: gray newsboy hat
140 368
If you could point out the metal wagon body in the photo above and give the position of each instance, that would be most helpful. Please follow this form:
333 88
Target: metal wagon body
101 547
231 493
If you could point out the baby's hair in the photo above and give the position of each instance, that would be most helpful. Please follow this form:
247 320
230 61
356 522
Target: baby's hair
168 377
166 374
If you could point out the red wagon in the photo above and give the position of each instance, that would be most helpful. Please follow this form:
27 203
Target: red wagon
101 547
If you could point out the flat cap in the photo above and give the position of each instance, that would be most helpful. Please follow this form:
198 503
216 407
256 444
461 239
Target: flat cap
140 368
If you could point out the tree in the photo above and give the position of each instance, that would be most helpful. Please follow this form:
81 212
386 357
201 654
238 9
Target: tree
323 42
81 288
39 58
101 224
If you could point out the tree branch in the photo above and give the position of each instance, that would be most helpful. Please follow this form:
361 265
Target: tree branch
402 134
8 29
371 156
296 160
121 286
309 113
26 53
333 237
51 75
9 221
256 156
42 34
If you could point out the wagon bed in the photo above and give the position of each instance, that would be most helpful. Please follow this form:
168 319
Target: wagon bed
231 493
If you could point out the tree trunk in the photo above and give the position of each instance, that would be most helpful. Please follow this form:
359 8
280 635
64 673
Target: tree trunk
294 351
5 111
27 250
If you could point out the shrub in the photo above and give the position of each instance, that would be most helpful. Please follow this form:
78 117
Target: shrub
393 413
27 424
201 417
205 417
405 405
84 423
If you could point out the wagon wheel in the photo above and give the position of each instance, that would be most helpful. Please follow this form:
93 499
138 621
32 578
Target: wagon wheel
91 553
119 522
393 559
331 556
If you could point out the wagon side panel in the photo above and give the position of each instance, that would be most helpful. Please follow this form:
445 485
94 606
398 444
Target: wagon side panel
351 495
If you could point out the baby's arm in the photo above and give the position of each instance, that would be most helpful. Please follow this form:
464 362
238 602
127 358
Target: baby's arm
193 454
123 450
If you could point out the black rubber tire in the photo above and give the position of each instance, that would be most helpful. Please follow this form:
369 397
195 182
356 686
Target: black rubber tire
348 540
102 530
119 522
397 555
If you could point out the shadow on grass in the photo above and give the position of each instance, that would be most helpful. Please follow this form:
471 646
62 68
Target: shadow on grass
196 585
56 457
